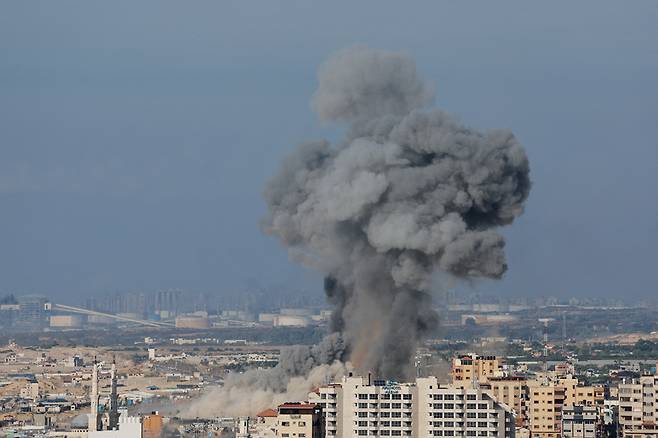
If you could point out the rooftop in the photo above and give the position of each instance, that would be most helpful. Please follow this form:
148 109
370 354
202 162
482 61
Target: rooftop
267 413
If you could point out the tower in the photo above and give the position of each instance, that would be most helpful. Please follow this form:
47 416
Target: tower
114 402
564 327
545 321
94 417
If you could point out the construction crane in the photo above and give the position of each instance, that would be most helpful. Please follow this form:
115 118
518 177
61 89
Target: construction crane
73 309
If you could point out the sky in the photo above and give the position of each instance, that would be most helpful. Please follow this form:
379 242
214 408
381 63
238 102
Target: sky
136 137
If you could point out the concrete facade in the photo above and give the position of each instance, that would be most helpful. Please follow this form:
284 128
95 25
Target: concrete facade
638 407
358 407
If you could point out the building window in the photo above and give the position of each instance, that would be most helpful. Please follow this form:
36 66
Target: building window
406 397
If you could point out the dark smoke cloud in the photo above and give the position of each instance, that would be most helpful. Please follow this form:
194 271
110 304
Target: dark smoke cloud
409 191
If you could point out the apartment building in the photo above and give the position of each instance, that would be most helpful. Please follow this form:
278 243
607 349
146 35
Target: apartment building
512 391
580 395
453 411
580 422
359 406
471 367
638 407
544 409
299 420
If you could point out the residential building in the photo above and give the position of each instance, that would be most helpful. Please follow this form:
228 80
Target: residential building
580 422
512 391
580 395
471 367
638 407
359 406
299 420
453 411
544 409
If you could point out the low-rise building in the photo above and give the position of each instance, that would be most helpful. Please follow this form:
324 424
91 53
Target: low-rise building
299 420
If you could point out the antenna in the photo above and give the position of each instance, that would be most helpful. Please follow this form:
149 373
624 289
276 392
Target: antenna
545 321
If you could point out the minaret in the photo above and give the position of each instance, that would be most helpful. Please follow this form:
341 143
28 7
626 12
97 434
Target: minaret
93 415
114 402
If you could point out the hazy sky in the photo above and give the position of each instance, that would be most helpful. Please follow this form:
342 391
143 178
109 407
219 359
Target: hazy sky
136 137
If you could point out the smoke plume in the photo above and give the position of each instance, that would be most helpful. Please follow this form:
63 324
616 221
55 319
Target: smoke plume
299 370
408 191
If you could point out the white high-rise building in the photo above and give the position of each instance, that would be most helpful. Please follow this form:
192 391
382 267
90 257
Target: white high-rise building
359 406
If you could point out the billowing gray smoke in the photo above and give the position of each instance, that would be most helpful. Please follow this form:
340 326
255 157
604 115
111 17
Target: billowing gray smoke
299 369
409 191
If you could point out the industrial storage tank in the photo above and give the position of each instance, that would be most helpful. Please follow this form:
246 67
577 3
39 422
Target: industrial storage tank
195 322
